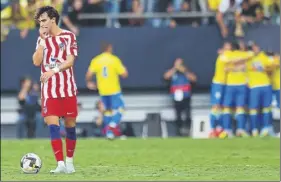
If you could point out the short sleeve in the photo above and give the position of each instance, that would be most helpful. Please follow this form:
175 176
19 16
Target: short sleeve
72 47
119 66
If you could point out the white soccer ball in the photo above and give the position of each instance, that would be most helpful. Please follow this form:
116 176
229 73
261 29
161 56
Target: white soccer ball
30 163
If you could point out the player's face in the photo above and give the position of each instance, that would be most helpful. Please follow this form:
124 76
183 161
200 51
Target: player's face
46 22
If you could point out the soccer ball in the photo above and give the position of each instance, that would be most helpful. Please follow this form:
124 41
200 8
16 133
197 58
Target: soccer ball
30 163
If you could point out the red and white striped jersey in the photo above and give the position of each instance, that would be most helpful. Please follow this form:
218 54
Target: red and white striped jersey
57 48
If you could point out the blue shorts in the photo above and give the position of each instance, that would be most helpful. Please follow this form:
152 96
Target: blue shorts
217 93
277 97
260 97
235 96
113 102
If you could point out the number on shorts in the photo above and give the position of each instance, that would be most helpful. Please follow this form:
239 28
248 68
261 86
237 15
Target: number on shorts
104 71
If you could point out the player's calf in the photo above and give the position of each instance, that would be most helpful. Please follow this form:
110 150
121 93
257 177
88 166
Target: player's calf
56 142
227 117
70 141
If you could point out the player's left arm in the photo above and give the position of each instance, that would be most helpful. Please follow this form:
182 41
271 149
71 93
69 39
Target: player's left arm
89 75
121 69
67 64
71 52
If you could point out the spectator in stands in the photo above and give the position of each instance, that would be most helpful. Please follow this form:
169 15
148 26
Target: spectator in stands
29 112
16 16
185 6
250 12
95 6
137 9
226 16
180 78
70 15
274 10
113 8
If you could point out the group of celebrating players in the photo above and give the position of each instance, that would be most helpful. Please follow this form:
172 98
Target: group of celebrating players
245 82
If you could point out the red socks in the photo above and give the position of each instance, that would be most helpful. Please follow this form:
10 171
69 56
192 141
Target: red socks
56 142
70 147
57 149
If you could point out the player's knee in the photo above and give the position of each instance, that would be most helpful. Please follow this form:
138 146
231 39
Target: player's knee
70 122
266 110
240 110
226 110
216 107
70 133
253 111
52 120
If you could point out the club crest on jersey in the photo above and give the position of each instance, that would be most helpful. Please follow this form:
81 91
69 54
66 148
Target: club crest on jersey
61 46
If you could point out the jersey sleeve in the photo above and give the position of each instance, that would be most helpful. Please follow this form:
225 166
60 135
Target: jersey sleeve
93 66
120 69
72 47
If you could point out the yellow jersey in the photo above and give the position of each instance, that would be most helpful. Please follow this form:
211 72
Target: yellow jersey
107 68
275 75
238 76
219 76
214 4
256 70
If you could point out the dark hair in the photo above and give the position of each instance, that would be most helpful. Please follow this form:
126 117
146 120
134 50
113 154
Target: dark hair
51 12
235 45
105 46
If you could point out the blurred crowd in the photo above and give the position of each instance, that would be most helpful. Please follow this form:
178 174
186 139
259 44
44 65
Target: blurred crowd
18 14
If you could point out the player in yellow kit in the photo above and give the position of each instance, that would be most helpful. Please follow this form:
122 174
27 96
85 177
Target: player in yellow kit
217 90
108 68
235 97
260 96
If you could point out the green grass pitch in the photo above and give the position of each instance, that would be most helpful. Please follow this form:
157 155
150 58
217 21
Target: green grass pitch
151 159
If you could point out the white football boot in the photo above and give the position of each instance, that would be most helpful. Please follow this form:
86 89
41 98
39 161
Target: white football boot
60 168
69 165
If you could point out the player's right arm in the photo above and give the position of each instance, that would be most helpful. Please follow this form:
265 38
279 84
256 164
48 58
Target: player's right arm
38 54
89 75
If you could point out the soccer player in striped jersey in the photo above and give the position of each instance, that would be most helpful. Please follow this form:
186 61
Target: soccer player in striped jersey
55 52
